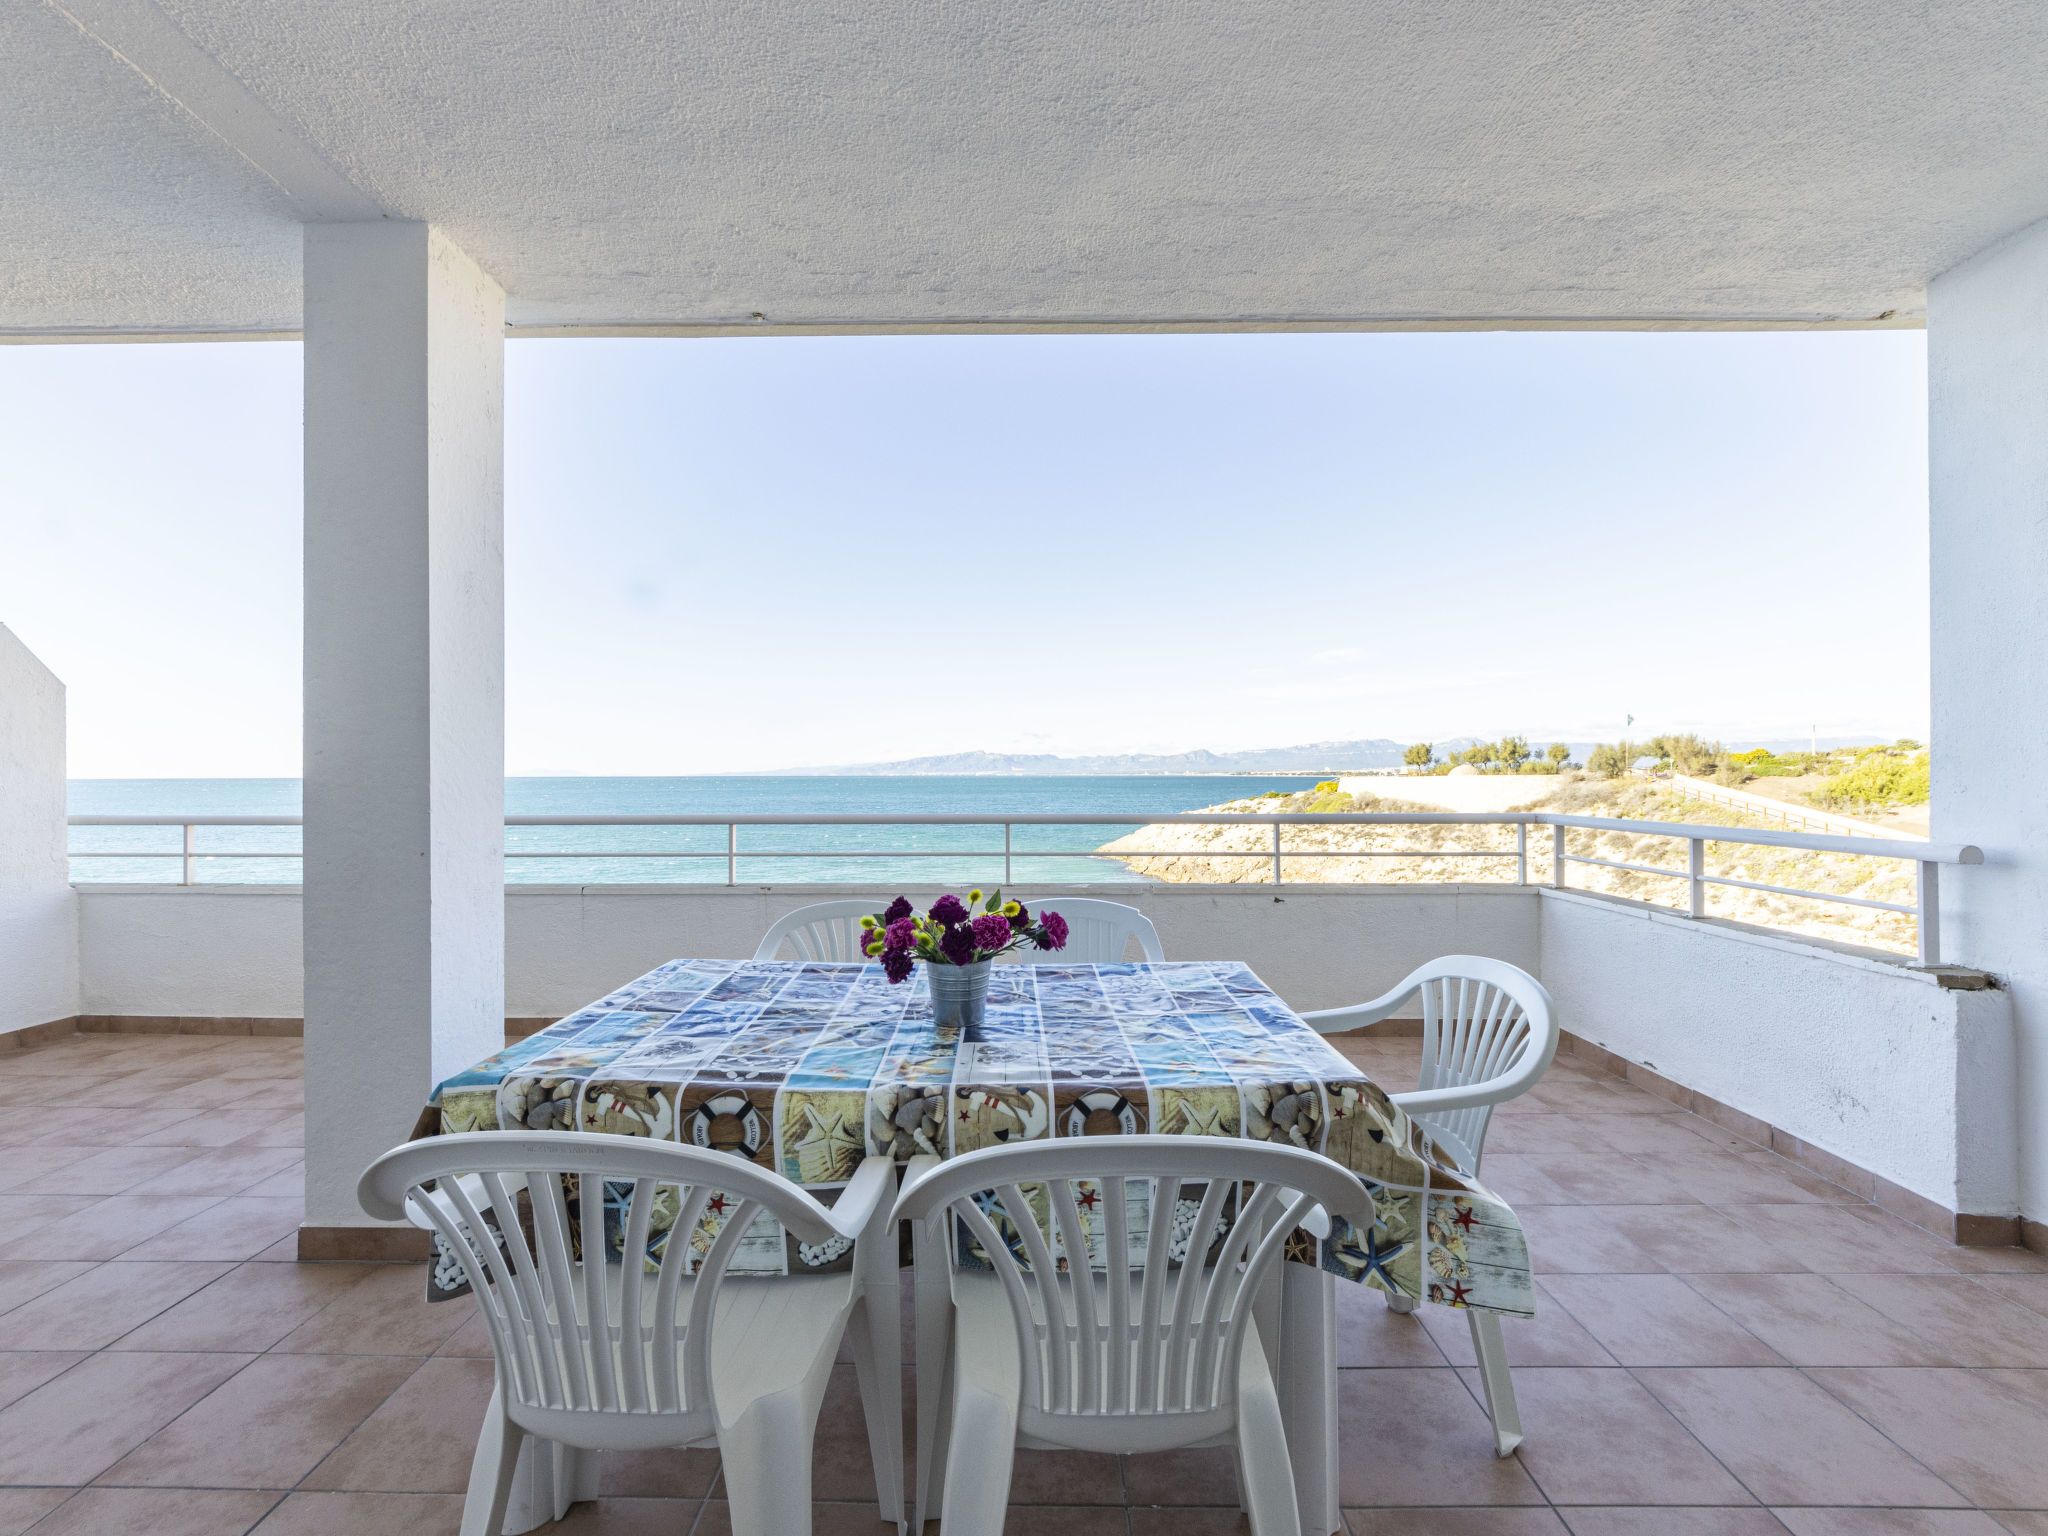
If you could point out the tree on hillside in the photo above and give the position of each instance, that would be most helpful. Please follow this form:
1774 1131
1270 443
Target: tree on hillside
1482 754
1559 753
1611 762
1421 755
1513 752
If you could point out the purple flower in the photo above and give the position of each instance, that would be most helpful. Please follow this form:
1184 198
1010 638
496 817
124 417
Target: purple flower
948 910
958 945
991 931
1052 931
901 934
899 909
897 964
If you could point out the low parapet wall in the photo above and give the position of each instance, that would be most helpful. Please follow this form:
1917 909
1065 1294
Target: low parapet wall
1854 1061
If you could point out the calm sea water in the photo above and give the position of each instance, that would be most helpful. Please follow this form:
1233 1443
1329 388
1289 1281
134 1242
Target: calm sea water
895 855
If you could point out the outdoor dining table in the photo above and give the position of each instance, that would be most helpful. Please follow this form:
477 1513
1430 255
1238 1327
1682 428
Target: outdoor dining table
808 1068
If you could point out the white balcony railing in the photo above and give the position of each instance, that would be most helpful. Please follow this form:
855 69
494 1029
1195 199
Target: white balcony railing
194 862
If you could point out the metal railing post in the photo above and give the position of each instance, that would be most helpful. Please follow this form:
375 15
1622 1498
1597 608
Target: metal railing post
1276 853
1695 870
732 853
1006 855
191 836
1927 913
1521 853
1557 858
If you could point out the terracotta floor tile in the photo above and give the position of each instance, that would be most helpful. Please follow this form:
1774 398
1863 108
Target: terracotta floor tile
1453 1522
420 1439
21 1508
22 1371
1790 1443
2030 1291
653 1517
1991 1261
265 1427
28 1165
474 1338
1825 1190
1734 1521
1412 1437
2029 1385
1889 1522
70 1430
842 1468
96 1307
1810 1320
1984 1440
670 1474
1553 1134
1189 1521
1607 1179
2023 1522
1598 1437
1657 1320
1965 1321
1369 1334
111 1172
1845 1239
22 1215
287 1131
1577 1240
1515 1177
1688 1239
219 1171
24 1282
106 1228
387 1313
218 1127
236 1228
1658 1133
1714 1177
370 1514
1179 1477
158 1511
1552 1337
289 1181
250 1307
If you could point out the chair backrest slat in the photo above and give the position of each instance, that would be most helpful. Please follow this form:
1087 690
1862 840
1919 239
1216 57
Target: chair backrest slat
1105 1329
551 1236
825 932
632 1284
1098 933
675 1264
596 1334
1158 1245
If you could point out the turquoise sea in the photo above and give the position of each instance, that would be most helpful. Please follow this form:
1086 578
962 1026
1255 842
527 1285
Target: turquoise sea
957 855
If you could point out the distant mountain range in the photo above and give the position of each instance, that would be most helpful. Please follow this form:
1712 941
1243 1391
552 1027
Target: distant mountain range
1317 757
1314 757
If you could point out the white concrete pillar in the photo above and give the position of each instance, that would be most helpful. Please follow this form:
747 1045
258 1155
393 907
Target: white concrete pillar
405 696
1987 360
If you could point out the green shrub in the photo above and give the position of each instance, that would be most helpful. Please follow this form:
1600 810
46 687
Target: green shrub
1879 777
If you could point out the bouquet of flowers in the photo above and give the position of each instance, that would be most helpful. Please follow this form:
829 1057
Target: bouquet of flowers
953 933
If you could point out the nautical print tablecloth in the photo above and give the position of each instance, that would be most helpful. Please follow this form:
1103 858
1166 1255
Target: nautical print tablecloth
808 1068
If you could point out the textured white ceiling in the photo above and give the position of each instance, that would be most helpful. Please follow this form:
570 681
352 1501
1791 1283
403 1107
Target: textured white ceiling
912 161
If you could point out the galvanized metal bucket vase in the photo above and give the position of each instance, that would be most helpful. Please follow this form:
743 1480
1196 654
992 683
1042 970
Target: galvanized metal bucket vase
960 995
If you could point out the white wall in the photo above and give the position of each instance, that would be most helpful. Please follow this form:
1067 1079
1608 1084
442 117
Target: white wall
224 951
38 914
1987 385
1865 1058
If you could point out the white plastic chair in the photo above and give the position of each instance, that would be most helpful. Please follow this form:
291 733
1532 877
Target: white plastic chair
824 930
595 1357
1097 932
1489 1032
1157 1350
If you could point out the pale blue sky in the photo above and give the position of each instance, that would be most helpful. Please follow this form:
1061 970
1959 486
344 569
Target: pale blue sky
766 552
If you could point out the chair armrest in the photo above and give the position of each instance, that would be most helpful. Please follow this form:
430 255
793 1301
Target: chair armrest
1441 1101
1330 1021
915 1172
854 1211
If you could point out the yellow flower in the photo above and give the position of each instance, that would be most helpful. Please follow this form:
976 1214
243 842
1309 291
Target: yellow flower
867 922
973 896
1012 908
